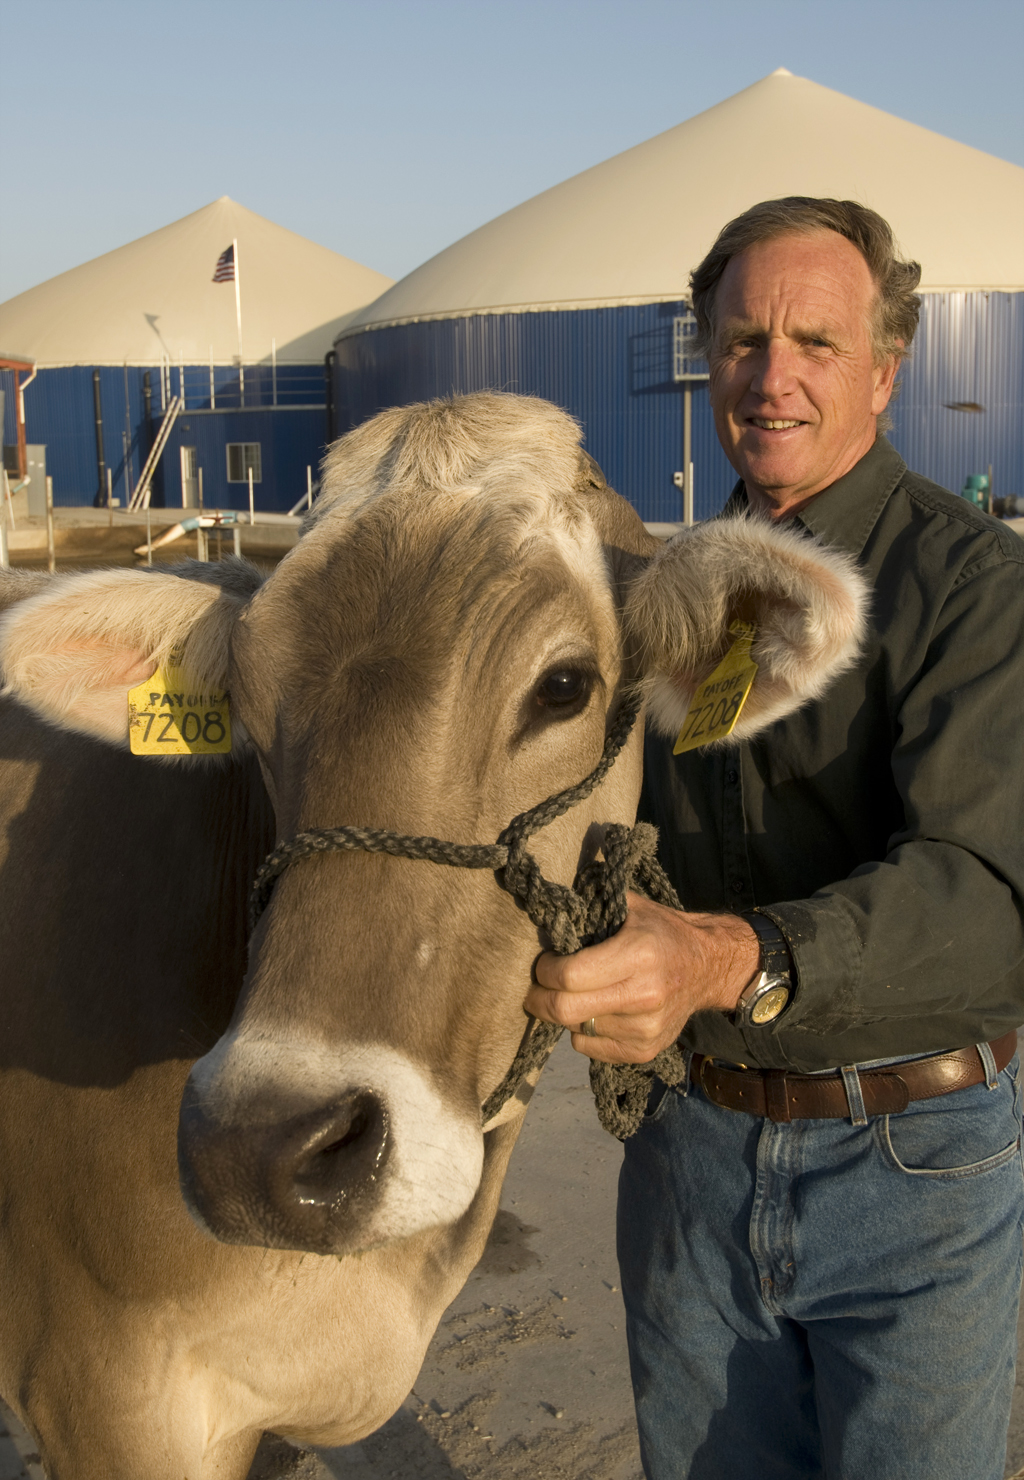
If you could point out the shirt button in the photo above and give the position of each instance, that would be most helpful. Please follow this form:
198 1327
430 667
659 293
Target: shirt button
736 886
732 777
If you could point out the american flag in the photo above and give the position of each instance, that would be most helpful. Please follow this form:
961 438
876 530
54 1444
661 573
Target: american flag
224 272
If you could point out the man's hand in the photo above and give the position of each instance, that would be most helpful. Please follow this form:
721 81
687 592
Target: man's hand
643 984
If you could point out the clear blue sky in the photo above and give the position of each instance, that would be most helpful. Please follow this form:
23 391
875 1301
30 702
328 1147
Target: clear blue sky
386 130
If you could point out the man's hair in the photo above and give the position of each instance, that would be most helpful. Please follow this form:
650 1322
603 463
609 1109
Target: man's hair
897 306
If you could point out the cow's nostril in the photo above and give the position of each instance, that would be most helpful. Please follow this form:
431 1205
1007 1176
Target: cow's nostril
360 1124
341 1154
309 1181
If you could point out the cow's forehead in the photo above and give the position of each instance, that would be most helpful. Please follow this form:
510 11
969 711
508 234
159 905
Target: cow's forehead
446 555
388 608
501 517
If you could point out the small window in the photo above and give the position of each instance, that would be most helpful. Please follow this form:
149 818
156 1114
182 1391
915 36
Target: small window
241 457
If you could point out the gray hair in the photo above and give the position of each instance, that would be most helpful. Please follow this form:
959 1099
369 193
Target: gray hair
897 306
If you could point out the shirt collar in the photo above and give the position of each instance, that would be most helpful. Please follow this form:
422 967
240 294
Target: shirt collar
846 512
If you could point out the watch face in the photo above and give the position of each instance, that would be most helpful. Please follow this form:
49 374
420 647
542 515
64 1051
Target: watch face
769 1005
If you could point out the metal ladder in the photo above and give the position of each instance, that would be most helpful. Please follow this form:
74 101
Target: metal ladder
140 498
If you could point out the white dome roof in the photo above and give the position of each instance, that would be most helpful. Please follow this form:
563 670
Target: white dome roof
156 297
629 230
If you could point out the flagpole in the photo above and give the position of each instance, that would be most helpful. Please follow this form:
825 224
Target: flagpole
238 316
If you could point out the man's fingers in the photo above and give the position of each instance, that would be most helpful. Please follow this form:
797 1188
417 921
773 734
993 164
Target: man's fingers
612 1050
621 1036
615 960
569 973
571 1008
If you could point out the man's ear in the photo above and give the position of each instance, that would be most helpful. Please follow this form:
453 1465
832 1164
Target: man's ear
72 652
807 602
884 382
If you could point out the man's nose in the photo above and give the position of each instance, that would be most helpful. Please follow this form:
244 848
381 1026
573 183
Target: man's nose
775 370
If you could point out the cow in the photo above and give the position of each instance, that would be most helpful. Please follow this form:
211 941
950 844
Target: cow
242 1177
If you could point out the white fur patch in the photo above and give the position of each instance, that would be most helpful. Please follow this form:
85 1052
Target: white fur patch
808 602
436 1157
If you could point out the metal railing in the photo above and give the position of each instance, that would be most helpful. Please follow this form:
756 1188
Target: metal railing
685 364
214 387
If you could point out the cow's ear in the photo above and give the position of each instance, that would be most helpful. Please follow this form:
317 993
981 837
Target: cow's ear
807 602
72 652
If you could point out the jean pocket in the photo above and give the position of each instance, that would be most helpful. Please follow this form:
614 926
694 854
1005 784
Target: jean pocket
657 1101
964 1134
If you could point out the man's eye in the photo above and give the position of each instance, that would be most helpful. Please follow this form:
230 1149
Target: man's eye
562 687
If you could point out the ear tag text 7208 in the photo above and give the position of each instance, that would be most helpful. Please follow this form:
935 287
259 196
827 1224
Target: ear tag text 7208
170 714
718 703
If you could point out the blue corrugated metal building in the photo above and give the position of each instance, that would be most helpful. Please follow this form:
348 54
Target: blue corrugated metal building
116 340
289 431
579 294
612 369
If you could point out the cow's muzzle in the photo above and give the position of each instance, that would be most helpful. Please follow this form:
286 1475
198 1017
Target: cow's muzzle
312 1181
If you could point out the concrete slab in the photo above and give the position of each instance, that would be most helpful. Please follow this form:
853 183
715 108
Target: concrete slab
85 538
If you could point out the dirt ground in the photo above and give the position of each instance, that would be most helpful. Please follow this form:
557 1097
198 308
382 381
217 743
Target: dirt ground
527 1375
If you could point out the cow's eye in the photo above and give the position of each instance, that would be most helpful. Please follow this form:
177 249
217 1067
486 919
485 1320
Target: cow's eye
562 687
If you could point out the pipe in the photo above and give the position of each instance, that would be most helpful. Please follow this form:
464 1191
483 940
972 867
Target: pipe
196 523
5 559
51 551
19 391
147 403
101 462
128 440
330 360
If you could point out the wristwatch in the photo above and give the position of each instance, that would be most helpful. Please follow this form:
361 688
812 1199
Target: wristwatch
769 992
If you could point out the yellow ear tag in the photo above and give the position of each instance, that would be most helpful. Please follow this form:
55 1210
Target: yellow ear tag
718 703
170 715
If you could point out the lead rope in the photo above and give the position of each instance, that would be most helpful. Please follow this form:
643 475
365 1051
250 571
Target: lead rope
591 911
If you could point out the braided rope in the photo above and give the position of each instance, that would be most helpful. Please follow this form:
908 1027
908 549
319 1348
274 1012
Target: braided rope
436 850
591 911
368 840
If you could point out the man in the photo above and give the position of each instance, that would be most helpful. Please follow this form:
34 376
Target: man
820 1231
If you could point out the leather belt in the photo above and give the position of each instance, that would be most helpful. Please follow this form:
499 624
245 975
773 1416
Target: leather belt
781 1096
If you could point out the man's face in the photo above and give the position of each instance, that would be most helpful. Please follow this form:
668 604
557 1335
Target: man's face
794 386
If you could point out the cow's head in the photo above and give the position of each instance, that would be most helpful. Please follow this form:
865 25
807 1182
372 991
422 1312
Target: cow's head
446 646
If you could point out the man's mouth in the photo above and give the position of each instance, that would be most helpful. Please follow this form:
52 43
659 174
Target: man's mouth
768 424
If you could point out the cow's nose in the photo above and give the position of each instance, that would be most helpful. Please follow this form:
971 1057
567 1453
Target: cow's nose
310 1181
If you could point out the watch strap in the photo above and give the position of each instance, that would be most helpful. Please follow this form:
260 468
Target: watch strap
769 991
775 957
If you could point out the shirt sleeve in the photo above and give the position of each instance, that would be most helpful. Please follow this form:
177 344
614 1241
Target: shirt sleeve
936 926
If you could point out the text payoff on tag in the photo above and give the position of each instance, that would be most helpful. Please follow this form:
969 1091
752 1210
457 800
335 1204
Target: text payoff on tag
170 714
718 703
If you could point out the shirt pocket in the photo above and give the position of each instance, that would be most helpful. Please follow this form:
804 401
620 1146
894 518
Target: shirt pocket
964 1134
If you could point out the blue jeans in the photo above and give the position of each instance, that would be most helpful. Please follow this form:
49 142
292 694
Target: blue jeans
822 1298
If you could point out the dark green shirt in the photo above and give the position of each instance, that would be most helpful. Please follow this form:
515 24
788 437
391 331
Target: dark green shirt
882 827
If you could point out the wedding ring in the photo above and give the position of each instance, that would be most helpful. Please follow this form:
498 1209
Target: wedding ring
588 1029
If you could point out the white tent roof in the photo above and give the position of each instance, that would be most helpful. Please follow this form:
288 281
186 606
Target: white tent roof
156 297
629 230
